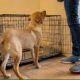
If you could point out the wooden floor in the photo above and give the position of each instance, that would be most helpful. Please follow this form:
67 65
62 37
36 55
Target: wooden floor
50 69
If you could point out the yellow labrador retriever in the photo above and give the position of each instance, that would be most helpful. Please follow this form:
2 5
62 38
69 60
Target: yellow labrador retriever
13 41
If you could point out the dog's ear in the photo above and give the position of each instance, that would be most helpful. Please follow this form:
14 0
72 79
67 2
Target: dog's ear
43 13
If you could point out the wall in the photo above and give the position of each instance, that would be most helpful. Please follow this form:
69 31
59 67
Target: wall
29 6
19 6
52 7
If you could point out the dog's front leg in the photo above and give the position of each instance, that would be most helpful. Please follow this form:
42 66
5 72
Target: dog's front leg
36 56
33 55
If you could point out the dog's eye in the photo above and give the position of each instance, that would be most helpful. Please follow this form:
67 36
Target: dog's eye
29 19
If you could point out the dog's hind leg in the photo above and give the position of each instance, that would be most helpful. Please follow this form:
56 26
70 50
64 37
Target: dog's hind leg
3 66
17 60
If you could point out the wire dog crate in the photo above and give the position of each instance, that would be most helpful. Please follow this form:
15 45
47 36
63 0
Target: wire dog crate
66 37
52 40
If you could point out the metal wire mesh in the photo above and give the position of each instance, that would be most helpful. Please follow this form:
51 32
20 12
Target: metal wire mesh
66 37
52 34
53 28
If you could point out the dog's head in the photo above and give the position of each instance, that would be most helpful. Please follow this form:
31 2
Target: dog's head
37 17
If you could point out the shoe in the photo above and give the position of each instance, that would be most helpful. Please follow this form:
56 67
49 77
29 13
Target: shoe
71 59
75 69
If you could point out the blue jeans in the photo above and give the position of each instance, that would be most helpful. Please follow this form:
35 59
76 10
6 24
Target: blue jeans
71 8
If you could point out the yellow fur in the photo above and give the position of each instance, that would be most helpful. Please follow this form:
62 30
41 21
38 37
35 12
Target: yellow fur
14 40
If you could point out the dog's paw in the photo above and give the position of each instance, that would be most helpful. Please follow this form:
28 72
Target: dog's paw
23 78
7 75
38 66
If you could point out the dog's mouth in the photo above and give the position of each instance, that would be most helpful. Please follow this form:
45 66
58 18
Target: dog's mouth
37 20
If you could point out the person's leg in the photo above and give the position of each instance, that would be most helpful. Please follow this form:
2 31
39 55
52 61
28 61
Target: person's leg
76 67
71 8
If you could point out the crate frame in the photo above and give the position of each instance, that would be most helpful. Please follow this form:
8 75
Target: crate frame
6 20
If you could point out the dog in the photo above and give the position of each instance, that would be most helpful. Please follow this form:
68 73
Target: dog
12 41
